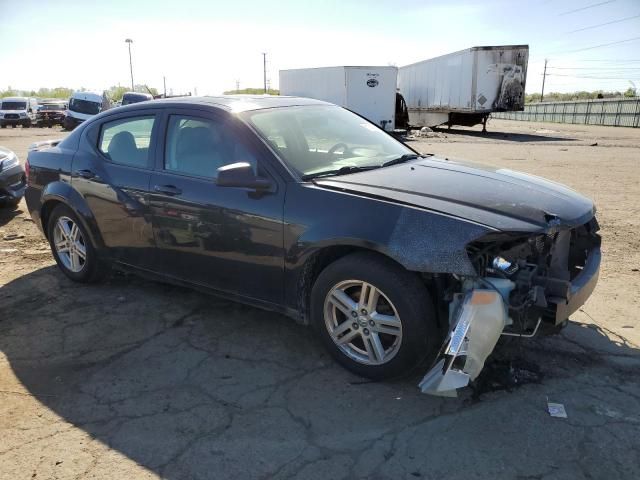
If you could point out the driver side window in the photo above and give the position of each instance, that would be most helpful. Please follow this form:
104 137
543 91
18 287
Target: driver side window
198 147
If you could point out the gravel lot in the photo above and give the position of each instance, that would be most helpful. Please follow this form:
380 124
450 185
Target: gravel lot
134 379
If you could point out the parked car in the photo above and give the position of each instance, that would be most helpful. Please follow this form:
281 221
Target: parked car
50 114
134 97
12 178
302 207
16 111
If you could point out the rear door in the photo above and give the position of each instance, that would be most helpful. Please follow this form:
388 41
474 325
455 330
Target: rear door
225 238
112 171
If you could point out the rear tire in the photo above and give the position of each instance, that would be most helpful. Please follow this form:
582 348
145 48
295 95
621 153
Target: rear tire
72 248
377 335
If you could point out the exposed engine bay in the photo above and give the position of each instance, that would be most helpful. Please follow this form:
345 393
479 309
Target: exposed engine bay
525 284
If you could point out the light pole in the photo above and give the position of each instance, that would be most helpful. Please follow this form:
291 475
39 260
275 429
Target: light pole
264 70
129 41
544 77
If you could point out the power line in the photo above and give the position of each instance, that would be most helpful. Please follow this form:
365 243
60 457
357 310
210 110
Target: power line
610 61
595 68
588 76
587 7
602 45
603 24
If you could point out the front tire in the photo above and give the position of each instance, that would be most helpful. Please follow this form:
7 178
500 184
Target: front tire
72 248
373 316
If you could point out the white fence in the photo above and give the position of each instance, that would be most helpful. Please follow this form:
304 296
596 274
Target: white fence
620 112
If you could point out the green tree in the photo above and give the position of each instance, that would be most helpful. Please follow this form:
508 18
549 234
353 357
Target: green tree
9 92
115 93
630 92
252 91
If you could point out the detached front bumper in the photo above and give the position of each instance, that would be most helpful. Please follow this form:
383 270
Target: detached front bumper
481 317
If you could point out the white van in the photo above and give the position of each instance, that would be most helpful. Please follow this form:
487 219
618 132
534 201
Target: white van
82 106
18 111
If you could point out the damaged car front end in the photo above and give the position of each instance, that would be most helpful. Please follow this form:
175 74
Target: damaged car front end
525 283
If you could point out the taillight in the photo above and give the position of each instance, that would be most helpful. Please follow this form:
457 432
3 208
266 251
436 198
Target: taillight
26 170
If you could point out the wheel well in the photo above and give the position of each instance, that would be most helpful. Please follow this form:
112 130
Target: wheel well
45 212
312 268
315 265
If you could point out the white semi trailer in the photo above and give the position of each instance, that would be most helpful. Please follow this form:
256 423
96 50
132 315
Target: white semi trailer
463 88
368 91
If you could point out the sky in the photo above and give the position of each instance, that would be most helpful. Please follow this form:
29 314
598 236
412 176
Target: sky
206 47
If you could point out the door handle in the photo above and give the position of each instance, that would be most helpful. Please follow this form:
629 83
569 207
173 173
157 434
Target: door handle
88 174
167 190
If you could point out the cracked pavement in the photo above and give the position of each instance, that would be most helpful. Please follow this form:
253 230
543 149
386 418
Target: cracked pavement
136 379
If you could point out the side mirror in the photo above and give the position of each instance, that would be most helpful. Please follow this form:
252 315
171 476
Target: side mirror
241 174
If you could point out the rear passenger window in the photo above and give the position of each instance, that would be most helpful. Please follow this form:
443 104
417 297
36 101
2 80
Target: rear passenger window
198 146
127 141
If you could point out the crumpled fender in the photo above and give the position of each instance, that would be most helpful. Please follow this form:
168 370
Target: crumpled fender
423 241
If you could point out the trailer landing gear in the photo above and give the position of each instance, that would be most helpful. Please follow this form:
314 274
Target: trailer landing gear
484 123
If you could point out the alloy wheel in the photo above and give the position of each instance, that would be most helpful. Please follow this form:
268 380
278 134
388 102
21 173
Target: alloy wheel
362 322
70 244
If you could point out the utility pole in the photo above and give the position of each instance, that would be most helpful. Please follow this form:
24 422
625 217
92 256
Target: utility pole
237 85
544 77
164 83
129 41
264 68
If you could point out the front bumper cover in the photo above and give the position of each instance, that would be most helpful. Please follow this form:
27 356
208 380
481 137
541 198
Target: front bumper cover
580 288
480 319
12 183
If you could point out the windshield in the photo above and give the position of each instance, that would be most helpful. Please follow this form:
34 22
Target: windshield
84 106
53 106
319 138
14 105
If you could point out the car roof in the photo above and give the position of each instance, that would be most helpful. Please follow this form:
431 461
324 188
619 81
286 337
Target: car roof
232 103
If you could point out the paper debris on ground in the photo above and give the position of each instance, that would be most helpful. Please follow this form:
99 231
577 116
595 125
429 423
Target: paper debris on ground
556 410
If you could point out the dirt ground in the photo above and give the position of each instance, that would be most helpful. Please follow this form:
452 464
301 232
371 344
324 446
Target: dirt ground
134 379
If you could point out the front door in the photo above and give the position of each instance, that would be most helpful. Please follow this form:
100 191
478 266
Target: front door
226 238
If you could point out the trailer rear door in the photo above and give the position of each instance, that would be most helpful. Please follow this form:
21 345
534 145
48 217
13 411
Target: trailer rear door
371 93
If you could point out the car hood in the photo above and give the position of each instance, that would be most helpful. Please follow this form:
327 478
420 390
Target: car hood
500 198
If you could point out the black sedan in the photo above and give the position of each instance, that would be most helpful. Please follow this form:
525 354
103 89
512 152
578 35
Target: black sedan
299 206
12 178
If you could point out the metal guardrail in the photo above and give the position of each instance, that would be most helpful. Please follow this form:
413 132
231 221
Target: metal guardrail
620 112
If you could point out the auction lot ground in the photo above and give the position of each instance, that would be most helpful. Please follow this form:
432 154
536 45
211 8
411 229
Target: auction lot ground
133 379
